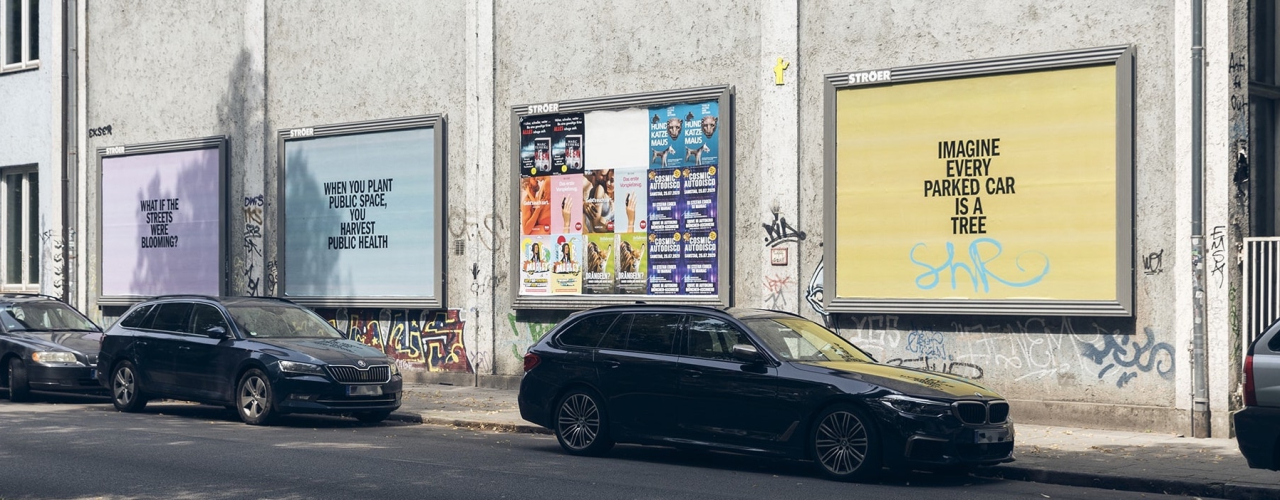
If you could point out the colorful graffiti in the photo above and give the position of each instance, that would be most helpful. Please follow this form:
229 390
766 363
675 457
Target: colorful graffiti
432 340
532 333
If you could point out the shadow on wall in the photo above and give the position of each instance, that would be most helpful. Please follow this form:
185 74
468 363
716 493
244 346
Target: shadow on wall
163 263
241 120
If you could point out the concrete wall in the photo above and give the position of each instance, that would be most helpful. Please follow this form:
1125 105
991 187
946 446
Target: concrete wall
249 69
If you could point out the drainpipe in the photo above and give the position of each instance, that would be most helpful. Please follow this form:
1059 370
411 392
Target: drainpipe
68 130
1199 372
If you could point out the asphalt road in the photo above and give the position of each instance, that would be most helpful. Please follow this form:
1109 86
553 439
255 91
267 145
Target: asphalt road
78 447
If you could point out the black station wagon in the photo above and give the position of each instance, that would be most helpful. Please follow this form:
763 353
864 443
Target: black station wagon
261 356
752 381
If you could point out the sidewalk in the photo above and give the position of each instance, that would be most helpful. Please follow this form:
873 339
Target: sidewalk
1130 461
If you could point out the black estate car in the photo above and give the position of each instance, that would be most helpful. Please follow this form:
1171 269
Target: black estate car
261 356
46 345
752 381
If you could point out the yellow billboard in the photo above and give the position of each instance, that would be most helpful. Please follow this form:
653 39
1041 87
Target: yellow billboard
990 188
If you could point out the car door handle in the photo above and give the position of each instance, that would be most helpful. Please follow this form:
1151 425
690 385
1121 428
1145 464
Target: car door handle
693 372
184 348
612 364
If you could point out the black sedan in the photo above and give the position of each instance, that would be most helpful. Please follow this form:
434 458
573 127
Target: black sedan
752 381
263 357
46 345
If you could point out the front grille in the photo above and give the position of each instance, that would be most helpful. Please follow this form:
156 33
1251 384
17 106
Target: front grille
378 374
998 411
971 412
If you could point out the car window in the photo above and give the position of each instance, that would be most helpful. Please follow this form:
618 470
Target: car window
587 332
173 317
798 339
713 338
280 321
1274 344
206 317
44 316
655 333
616 337
135 317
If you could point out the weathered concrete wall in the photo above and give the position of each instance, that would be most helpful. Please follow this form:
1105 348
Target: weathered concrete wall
1065 365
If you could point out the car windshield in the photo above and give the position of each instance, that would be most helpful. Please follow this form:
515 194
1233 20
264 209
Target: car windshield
44 317
270 321
798 339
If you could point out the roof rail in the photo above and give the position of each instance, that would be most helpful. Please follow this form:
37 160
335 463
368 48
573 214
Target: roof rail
27 294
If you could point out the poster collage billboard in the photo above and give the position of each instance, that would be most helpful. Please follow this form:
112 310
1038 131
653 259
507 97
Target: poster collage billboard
620 202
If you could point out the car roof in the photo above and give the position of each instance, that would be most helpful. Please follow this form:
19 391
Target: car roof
224 300
737 312
17 298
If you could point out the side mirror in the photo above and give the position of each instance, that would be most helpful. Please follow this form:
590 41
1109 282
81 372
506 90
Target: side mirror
216 332
746 353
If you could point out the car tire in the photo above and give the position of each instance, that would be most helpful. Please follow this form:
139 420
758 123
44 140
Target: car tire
19 386
372 417
126 392
581 424
844 445
254 401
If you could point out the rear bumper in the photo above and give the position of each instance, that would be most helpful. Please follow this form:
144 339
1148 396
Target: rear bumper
1258 435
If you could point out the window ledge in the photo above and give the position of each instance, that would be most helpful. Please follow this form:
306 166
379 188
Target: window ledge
21 67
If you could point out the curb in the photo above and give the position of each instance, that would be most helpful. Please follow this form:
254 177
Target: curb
1230 491
419 418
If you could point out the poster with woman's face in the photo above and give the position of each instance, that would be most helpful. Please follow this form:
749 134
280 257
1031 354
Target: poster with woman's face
566 268
535 265
535 206
598 201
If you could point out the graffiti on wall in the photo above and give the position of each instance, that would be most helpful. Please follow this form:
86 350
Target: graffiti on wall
526 334
1021 349
1153 263
432 340
252 237
813 294
1218 254
775 288
779 231
51 246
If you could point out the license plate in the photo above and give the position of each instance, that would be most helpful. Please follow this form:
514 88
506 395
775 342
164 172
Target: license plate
364 390
990 436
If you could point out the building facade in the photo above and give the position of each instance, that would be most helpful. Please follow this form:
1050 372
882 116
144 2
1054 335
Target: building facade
294 100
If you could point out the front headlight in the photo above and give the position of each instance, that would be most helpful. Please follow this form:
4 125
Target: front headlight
50 357
916 406
302 368
395 368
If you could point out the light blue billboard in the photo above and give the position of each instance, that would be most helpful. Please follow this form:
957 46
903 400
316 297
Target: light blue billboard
361 215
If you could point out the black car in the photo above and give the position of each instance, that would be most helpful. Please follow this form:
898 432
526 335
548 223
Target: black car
261 356
752 381
46 345
1258 424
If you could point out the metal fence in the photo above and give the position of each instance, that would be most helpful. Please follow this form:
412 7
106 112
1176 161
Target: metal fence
1261 298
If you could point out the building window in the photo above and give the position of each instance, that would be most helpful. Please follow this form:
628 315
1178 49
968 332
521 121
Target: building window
20 229
19 34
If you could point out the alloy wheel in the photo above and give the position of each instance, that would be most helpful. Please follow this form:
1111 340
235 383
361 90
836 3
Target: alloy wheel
124 386
579 421
841 443
253 397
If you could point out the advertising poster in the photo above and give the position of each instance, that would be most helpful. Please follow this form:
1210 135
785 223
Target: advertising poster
535 265
633 263
566 145
353 205
161 223
665 263
535 206
535 145
698 198
1002 187
633 194
666 137
700 264
566 268
566 203
600 271
664 201
597 201
617 139
699 144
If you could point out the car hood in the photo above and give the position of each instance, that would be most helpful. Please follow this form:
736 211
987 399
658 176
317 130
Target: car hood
333 351
82 342
904 380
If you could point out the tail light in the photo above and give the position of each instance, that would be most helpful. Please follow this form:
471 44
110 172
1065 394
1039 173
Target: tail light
1250 396
531 361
